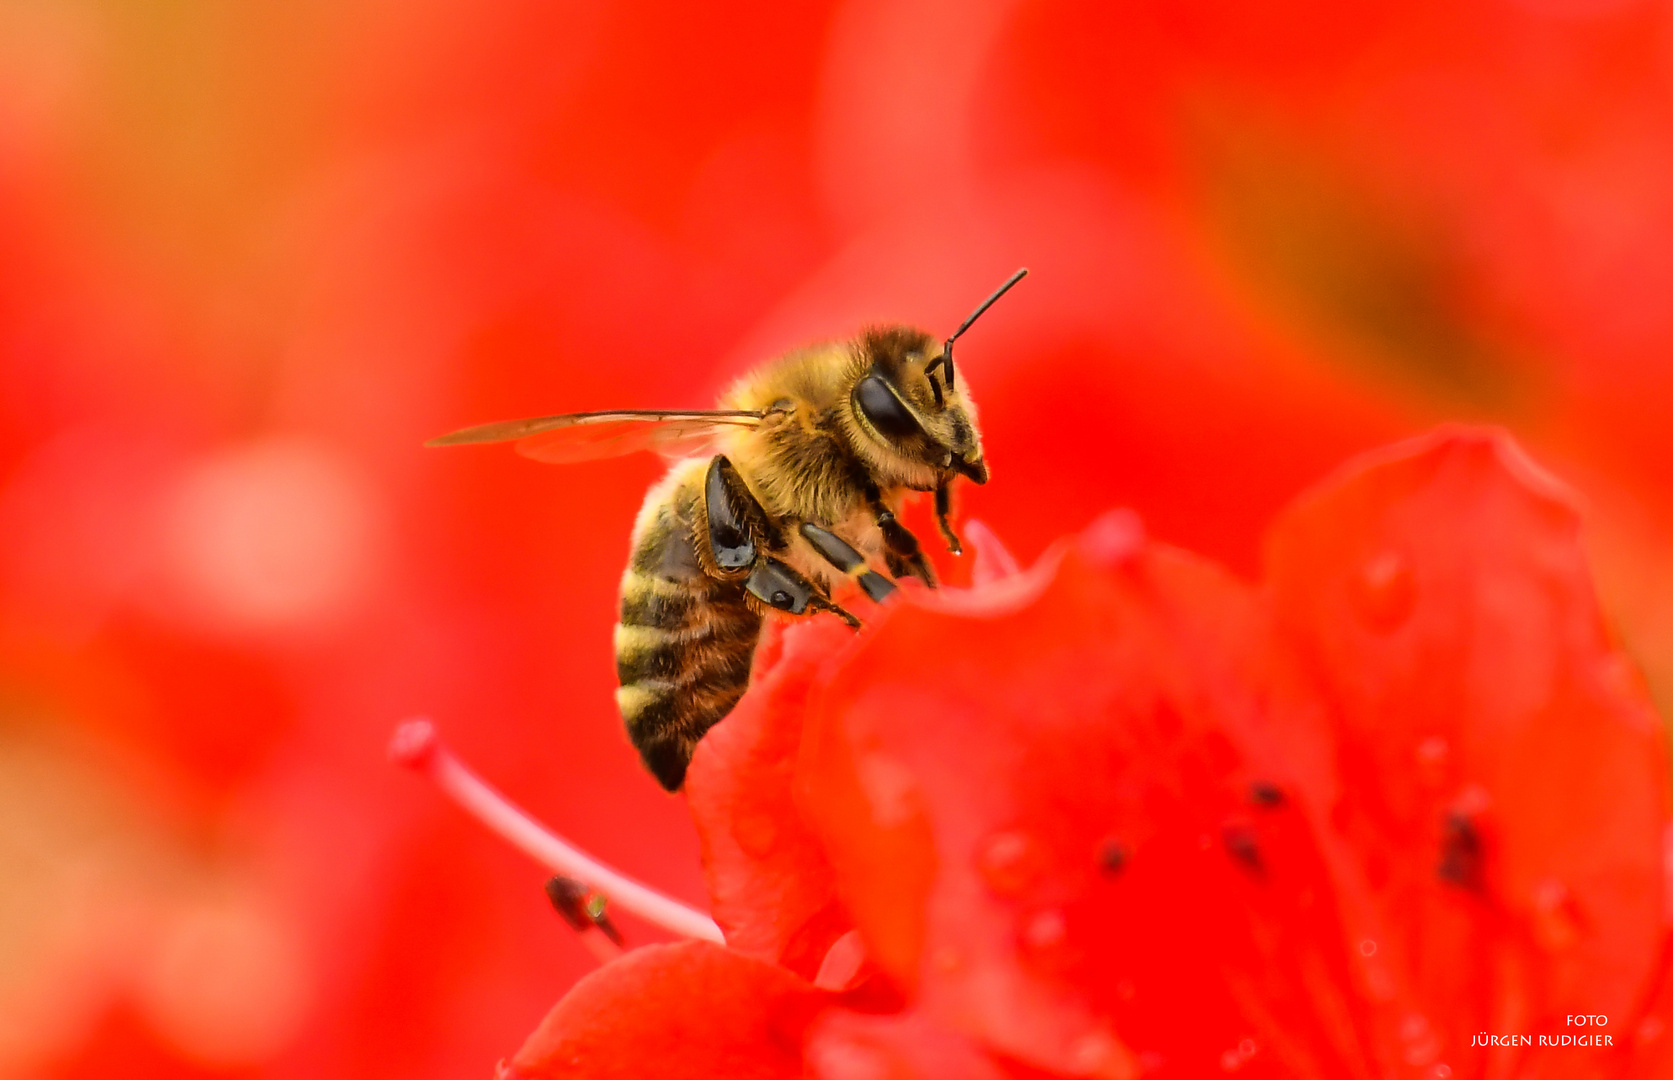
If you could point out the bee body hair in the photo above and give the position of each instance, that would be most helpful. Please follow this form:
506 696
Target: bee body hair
684 639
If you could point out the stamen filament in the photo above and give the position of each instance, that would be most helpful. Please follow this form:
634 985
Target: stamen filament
603 949
417 746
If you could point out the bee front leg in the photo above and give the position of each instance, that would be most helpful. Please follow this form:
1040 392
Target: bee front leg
943 507
904 554
842 555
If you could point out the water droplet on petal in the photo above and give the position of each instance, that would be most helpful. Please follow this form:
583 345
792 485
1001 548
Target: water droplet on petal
1234 1059
1440 1071
1383 592
1010 861
1367 948
890 788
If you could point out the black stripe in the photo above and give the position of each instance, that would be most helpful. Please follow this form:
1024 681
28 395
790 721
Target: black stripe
661 662
659 712
663 611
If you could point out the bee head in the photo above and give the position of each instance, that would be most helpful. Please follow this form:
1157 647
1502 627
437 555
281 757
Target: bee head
906 402
911 411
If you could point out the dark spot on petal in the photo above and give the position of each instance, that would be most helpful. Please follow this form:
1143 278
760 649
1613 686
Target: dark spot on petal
1242 845
1461 852
1112 857
1265 793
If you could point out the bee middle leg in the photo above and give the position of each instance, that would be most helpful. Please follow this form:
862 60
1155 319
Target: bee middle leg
842 555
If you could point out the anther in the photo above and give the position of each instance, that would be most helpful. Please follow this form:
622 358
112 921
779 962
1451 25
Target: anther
583 910
416 745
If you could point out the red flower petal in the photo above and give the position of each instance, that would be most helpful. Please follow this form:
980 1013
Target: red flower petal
691 1009
1038 813
1649 1042
842 1045
769 882
1500 795
1427 724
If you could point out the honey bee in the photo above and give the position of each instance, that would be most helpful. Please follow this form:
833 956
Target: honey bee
781 499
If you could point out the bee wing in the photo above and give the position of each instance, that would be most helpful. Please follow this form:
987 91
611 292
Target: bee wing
592 435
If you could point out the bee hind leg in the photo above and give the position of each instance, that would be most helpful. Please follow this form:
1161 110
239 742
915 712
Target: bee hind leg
842 555
738 530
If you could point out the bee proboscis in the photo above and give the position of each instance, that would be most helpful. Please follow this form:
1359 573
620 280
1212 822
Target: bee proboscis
782 497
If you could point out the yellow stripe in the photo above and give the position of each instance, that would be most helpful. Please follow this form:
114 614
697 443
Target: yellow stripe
633 698
634 640
633 583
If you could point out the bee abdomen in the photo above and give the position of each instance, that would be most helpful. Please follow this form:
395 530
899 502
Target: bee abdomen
683 647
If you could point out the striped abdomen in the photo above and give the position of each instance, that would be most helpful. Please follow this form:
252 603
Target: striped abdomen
683 643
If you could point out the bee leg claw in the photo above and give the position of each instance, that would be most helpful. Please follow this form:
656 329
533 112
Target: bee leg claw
845 616
943 507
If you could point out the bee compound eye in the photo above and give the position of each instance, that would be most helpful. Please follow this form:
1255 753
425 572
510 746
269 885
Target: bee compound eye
781 599
878 404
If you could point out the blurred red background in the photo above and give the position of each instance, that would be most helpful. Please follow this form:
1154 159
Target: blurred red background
252 255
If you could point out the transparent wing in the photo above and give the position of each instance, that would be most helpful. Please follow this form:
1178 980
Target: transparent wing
592 435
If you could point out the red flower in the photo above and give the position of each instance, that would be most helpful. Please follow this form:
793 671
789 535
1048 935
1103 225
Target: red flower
1123 813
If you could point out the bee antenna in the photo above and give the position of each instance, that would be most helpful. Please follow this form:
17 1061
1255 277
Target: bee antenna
946 357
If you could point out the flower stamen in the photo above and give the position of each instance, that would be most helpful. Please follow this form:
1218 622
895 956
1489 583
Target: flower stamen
584 911
417 746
